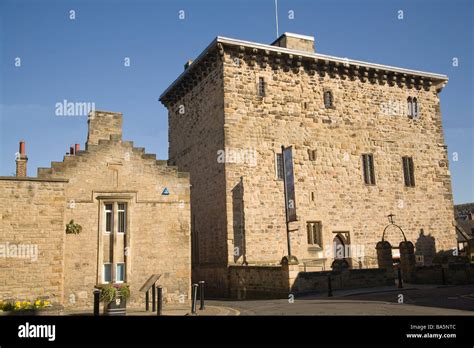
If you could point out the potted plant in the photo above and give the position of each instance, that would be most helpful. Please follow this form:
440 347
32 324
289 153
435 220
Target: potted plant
73 228
114 297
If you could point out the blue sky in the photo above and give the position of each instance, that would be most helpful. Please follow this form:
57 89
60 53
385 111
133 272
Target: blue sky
82 60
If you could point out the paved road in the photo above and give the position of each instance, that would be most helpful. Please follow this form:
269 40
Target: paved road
458 297
457 300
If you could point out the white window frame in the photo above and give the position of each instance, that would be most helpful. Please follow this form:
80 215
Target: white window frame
125 218
111 216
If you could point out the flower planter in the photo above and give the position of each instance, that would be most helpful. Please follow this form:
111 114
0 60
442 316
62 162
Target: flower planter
116 307
22 312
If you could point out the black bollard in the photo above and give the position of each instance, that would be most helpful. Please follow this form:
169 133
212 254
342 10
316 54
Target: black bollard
96 293
194 298
147 301
400 281
201 295
160 301
153 298
329 286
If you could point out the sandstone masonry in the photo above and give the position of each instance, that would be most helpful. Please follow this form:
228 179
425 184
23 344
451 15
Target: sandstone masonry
117 193
249 97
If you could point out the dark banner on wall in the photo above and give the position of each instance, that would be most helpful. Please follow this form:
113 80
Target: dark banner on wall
289 179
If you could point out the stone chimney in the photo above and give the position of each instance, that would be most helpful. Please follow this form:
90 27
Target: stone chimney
21 161
295 42
103 125
188 64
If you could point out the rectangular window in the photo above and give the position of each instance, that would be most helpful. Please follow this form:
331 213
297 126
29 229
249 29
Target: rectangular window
314 231
107 273
122 217
109 218
279 166
120 273
312 155
368 169
261 87
408 171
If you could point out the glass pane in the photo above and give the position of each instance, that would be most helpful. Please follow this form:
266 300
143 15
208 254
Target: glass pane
372 170
107 273
121 217
120 272
108 221
279 166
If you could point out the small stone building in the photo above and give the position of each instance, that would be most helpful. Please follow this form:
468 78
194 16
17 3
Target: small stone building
465 228
367 141
133 210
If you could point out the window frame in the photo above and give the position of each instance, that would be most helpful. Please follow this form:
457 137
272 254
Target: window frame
328 103
408 171
106 211
104 281
116 272
409 107
314 238
415 110
261 87
279 168
368 169
124 211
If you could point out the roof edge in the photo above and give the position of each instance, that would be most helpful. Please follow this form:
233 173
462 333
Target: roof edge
358 63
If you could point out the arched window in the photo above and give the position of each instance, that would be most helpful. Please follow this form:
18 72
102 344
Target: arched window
415 107
328 102
409 106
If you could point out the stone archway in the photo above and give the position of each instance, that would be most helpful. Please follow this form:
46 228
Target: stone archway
407 253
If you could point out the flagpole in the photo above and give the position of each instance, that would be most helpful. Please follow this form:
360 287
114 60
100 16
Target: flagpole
276 16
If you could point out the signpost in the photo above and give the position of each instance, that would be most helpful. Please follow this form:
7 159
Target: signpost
289 188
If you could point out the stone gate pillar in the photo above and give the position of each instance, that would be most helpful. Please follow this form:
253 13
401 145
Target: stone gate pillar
290 269
407 261
384 255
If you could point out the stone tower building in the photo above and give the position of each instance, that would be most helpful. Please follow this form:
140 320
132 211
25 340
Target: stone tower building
367 142
133 209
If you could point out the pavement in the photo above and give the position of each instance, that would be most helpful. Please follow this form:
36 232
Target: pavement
172 310
410 300
186 310
416 299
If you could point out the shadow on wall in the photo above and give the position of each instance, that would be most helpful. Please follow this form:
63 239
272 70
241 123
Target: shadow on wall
425 245
308 282
238 221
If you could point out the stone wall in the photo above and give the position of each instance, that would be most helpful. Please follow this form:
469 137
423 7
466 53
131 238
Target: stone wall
196 134
307 282
330 188
31 219
216 105
158 236
101 125
252 282
452 274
